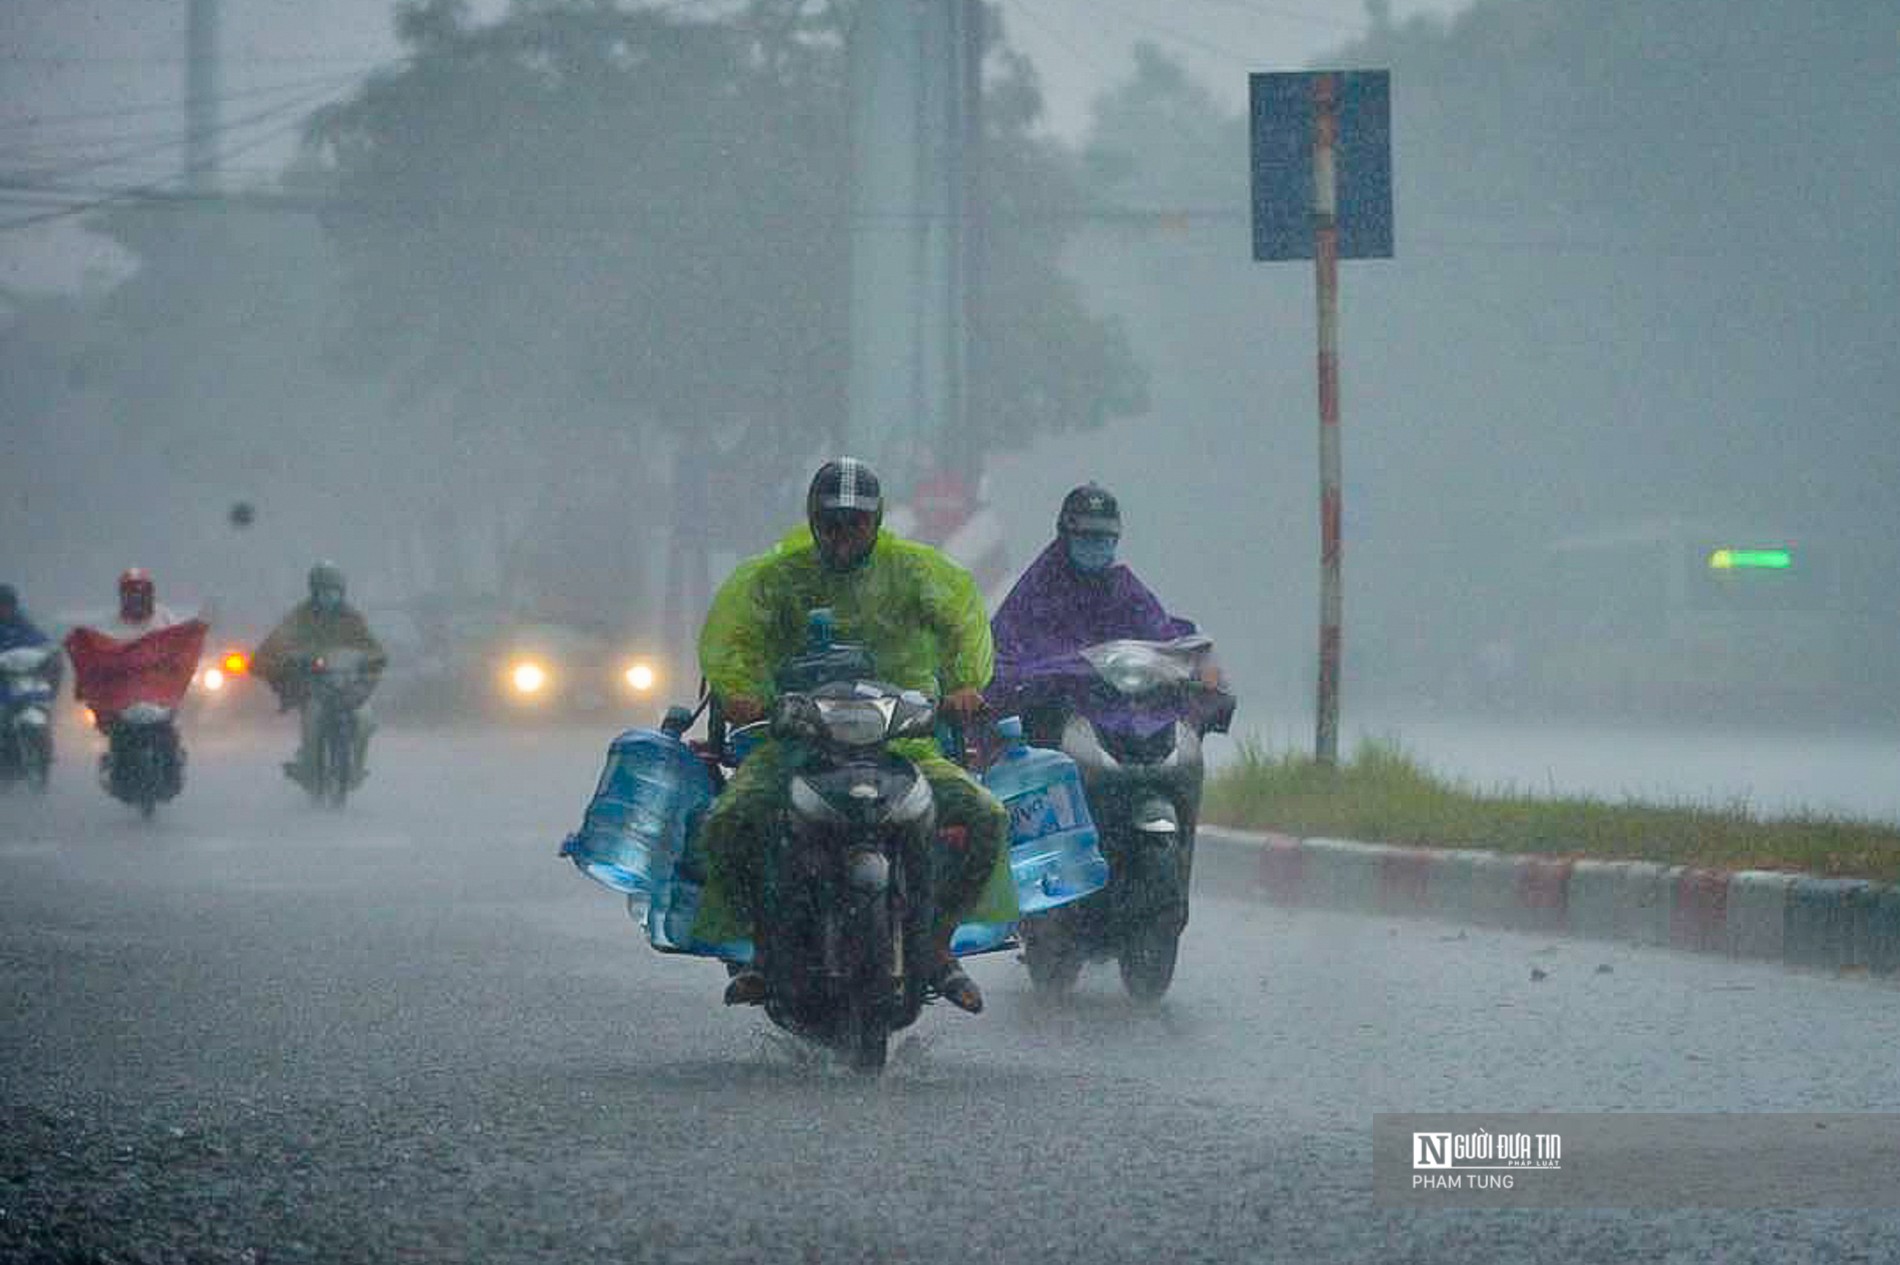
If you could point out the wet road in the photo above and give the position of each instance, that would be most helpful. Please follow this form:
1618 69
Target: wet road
256 1031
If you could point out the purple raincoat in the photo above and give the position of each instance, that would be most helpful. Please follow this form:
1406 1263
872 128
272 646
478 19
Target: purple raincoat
1053 612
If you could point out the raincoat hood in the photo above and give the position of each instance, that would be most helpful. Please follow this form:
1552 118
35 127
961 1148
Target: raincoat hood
1053 611
920 614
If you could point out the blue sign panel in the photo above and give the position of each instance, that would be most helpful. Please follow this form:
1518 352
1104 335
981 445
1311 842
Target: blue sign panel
1282 145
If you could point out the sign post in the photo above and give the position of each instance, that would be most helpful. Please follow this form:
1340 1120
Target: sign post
1322 190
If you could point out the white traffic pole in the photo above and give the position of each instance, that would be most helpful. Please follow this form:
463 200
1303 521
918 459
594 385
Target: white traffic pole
1326 276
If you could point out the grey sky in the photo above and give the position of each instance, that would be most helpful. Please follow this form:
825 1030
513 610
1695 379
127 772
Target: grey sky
91 91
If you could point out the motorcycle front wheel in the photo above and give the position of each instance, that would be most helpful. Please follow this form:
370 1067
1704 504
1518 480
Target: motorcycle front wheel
869 1006
1147 960
338 755
1054 962
36 755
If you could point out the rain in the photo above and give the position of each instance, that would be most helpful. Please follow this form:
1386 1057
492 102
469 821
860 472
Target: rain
535 318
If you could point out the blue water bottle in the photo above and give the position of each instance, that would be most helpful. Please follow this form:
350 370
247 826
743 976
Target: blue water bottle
635 827
1055 855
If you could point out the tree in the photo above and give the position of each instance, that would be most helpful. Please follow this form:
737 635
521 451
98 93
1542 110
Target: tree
589 215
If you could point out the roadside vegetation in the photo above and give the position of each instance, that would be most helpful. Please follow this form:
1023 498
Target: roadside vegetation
1383 795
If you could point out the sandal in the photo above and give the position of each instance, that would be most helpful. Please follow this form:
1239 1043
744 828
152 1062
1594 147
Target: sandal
958 988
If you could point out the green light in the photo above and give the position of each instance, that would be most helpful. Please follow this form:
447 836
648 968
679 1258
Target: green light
1751 560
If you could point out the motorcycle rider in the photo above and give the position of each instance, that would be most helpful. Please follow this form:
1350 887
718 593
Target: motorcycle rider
1074 595
16 630
321 623
921 617
139 614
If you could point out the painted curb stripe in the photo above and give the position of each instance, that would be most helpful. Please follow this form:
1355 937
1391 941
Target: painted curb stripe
1760 914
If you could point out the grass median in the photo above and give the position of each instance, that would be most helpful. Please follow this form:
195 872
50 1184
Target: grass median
1383 795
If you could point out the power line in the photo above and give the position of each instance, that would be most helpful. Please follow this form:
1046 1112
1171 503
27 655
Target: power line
172 141
169 59
174 106
154 191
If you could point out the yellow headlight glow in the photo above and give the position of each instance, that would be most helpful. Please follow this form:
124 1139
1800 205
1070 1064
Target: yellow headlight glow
528 677
640 677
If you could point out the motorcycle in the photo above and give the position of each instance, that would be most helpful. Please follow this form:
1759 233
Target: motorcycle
1132 715
844 934
133 689
28 675
145 761
340 683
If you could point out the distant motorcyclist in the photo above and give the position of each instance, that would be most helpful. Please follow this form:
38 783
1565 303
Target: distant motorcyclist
322 623
16 629
1073 595
921 617
141 652
137 615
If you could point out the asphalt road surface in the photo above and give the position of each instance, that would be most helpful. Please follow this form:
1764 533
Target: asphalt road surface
253 1030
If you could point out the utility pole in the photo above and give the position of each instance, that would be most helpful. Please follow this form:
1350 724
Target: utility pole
913 88
201 96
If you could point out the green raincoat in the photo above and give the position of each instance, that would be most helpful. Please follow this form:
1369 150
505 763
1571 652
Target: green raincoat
922 618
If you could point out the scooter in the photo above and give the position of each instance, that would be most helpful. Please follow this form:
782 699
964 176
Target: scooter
28 677
134 688
341 682
144 764
844 939
1132 715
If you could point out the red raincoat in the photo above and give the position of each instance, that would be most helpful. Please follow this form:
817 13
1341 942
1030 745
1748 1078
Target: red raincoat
110 675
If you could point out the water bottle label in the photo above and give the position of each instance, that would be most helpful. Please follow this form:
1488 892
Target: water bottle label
1044 811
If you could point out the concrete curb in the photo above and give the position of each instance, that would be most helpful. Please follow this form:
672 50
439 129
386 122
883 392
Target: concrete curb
1798 920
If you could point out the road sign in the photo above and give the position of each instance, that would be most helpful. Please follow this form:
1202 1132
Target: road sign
1282 147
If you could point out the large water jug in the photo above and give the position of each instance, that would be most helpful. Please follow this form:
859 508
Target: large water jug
1055 855
669 920
650 796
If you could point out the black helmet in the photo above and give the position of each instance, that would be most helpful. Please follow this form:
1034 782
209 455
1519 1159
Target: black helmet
1089 510
844 492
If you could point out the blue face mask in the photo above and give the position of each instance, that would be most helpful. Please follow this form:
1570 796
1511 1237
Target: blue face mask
1092 553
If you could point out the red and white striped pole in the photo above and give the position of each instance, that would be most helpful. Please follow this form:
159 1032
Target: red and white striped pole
1326 277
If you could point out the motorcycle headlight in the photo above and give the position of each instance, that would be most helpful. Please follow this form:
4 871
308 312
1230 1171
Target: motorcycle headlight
1131 676
639 677
855 722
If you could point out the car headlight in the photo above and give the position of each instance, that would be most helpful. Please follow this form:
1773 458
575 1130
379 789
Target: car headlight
528 677
213 679
639 677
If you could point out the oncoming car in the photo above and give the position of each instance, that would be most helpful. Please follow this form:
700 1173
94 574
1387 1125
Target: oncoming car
550 669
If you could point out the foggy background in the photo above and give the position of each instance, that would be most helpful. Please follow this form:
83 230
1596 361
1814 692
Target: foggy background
1643 305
